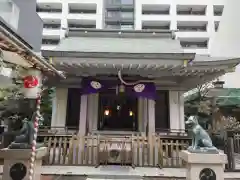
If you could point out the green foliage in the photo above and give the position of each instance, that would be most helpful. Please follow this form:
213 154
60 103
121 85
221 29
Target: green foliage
46 106
230 124
14 107
198 104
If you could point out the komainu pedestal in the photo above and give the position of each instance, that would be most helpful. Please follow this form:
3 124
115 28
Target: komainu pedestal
16 163
201 166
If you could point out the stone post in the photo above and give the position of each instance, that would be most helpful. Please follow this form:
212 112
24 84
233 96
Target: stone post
16 163
204 166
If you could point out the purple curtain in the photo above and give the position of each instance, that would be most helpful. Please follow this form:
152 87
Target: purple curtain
147 90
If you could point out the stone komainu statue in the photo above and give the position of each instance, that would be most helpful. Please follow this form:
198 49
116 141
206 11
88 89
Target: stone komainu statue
201 141
25 136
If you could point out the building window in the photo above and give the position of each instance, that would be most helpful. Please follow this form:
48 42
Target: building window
119 14
119 2
216 24
119 26
50 41
119 20
127 2
192 26
82 8
126 27
75 23
52 26
218 10
155 9
82 11
191 10
156 25
156 12
167 27
71 25
48 10
194 44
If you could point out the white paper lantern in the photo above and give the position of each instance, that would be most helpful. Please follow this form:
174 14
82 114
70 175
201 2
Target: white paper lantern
32 83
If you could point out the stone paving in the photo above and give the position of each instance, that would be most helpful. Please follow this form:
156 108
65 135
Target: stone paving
118 172
62 178
85 178
122 172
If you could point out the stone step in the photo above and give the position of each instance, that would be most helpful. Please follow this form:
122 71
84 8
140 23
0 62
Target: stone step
112 178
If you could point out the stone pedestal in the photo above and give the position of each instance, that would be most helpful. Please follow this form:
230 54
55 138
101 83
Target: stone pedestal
200 163
20 158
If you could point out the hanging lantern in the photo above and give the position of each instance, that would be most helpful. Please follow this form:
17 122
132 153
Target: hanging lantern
32 83
121 88
106 112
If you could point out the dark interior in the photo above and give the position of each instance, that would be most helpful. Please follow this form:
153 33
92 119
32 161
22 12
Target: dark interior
122 110
162 111
117 112
73 108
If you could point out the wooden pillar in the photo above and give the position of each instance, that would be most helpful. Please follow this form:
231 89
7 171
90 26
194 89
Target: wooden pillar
174 111
145 115
95 112
181 112
92 112
141 114
83 115
54 111
59 108
151 116
90 102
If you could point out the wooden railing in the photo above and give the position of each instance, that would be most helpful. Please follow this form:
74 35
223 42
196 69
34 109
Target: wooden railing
139 150
60 130
57 130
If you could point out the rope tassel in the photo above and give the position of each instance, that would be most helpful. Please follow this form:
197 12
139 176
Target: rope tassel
34 142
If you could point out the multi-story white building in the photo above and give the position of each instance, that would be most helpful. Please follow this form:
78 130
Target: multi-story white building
86 54
196 21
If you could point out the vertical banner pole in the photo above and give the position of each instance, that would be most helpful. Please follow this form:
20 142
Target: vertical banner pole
34 142
32 90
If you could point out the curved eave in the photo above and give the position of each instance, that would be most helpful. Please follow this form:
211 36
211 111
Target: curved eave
143 66
222 61
11 42
179 56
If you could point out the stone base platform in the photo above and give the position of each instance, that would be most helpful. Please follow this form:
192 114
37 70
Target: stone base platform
83 172
121 172
202 165
21 157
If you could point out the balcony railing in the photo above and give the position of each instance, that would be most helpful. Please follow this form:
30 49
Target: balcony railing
193 45
191 29
119 15
155 12
82 11
119 26
218 13
49 10
52 26
50 42
81 26
201 13
156 27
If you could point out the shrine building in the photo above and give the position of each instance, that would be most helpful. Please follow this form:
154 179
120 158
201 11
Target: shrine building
122 82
